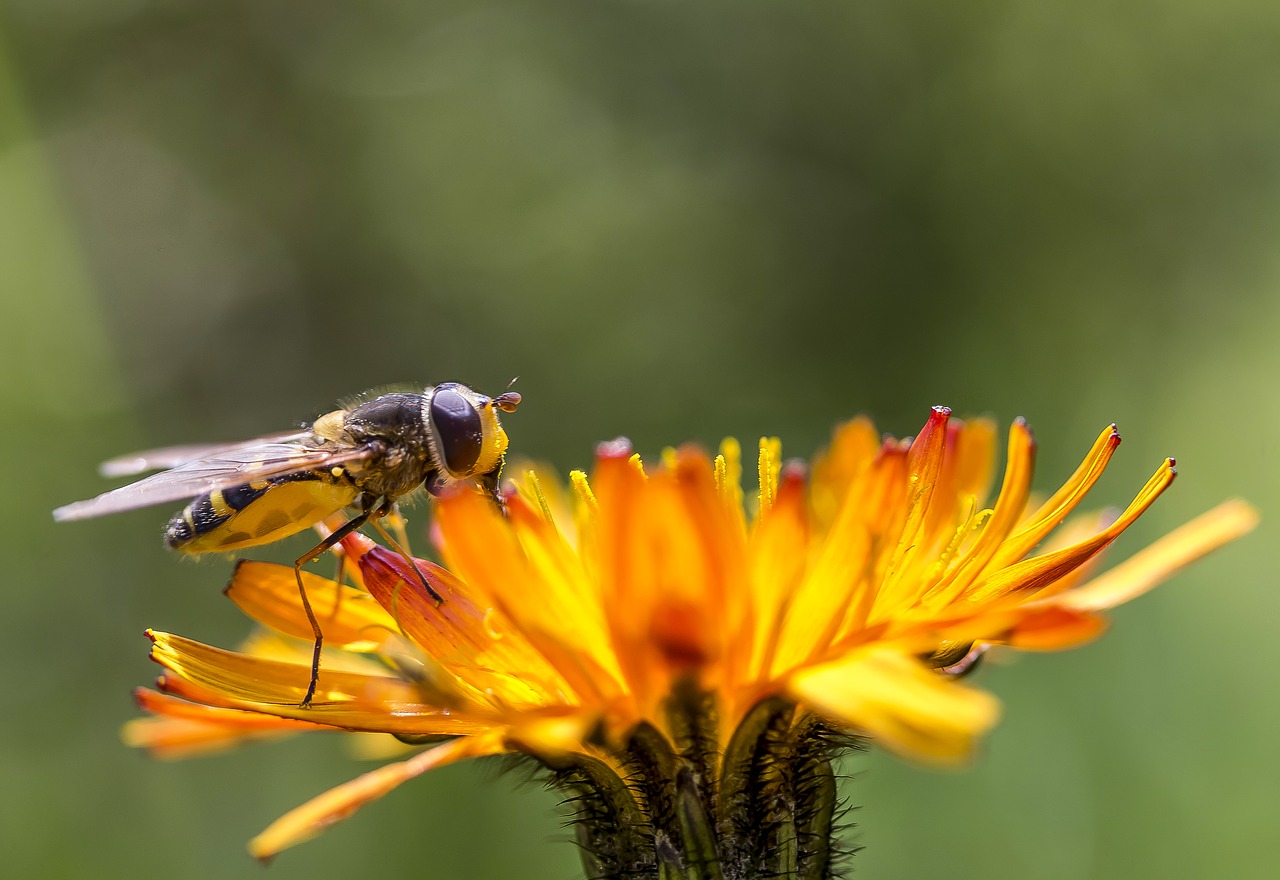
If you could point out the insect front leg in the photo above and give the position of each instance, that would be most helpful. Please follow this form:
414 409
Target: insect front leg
490 483
404 554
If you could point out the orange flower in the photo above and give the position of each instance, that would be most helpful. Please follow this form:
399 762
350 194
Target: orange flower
686 666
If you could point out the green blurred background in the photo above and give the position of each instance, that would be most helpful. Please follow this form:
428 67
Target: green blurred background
671 221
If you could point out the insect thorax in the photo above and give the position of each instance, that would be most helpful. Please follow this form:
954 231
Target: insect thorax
394 424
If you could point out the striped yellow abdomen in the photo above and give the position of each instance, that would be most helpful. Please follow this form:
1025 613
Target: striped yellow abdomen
256 513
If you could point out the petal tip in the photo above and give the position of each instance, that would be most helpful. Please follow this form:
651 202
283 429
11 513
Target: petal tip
619 447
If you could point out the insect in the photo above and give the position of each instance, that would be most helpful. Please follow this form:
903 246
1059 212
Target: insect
361 459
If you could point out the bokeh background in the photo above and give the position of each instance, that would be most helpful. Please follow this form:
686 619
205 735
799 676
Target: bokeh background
674 222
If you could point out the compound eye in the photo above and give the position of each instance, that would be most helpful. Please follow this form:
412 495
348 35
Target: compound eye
458 431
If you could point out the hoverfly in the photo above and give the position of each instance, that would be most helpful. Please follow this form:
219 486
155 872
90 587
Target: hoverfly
363 459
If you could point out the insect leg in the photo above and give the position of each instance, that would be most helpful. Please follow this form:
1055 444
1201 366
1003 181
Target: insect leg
491 483
334 537
339 580
404 554
396 522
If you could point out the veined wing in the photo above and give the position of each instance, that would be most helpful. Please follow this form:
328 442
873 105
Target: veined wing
235 467
172 456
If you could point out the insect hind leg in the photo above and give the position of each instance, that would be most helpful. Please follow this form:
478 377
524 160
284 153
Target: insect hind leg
311 556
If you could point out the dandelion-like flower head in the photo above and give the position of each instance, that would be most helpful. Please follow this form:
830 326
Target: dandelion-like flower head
686 661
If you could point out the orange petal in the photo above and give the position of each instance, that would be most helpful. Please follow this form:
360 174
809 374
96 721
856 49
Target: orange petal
469 641
172 739
483 549
839 585
720 596
1053 628
1142 571
893 697
257 679
924 467
672 561
971 459
185 730
171 707
337 804
779 556
348 617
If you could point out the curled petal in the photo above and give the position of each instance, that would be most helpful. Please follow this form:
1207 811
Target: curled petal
1055 510
1039 572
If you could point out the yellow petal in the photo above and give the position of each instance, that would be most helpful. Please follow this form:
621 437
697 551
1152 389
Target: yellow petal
260 680
313 817
1142 571
970 460
550 735
404 719
348 617
854 445
893 697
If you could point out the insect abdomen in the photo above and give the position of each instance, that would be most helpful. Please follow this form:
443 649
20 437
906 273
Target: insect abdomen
256 513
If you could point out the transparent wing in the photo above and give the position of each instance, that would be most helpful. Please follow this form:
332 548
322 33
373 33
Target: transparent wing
172 456
233 467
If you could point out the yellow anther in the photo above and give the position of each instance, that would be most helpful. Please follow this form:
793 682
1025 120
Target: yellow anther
768 468
729 471
637 463
578 479
533 486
